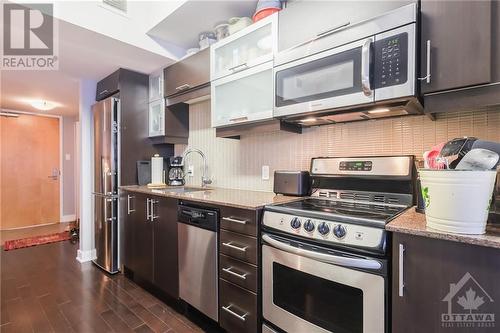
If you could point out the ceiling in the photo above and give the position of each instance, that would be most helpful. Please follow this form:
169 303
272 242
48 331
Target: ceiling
83 54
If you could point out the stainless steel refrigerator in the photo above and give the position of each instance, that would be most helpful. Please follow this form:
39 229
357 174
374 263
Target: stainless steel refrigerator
106 115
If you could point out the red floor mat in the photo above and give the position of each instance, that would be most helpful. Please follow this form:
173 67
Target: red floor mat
34 241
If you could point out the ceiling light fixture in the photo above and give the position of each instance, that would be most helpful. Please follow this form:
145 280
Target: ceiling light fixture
43 105
381 110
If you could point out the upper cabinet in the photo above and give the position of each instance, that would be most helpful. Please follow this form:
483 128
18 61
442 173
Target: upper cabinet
187 74
243 97
247 48
305 20
456 48
156 86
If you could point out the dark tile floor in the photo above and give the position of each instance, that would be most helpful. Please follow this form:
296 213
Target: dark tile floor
44 289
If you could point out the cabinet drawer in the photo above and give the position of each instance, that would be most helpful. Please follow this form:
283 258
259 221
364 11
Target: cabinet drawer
238 308
238 246
243 221
238 272
188 73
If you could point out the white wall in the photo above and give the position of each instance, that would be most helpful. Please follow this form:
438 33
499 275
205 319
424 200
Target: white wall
68 174
130 27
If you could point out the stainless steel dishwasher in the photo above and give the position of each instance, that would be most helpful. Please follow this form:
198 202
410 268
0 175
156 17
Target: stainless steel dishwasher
197 232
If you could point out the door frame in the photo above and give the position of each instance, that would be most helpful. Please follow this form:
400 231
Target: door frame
61 153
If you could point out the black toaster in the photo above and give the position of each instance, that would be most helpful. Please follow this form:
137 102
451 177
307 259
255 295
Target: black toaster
296 183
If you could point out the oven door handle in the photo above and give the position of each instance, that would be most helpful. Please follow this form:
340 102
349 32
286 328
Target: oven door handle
332 259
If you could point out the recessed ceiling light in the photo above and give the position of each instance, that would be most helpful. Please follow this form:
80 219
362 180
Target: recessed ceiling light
380 110
43 105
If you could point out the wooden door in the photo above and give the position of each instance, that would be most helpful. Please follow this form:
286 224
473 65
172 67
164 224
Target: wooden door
437 274
29 171
460 37
166 272
143 239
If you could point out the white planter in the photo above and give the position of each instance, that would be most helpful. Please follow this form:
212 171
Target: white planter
457 201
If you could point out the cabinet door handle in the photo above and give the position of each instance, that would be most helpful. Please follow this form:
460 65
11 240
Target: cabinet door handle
148 213
427 77
230 219
401 284
183 87
230 271
238 248
244 118
103 92
152 203
239 68
231 312
128 204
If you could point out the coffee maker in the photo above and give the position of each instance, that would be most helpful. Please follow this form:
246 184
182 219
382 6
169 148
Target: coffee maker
176 172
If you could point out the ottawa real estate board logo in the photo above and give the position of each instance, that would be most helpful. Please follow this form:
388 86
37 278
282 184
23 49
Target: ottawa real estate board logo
469 305
29 34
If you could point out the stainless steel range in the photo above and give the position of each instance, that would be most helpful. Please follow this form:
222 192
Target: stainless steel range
325 257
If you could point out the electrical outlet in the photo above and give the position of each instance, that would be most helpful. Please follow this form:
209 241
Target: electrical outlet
190 170
265 172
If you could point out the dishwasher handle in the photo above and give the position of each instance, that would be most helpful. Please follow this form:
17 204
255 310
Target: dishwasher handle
201 217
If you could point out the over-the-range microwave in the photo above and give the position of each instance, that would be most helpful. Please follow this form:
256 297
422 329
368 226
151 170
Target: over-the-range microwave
358 71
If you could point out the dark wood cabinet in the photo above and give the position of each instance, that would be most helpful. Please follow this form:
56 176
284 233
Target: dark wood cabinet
189 73
239 283
150 240
108 86
460 36
142 244
166 272
442 282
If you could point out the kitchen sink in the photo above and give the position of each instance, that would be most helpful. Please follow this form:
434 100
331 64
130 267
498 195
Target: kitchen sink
184 189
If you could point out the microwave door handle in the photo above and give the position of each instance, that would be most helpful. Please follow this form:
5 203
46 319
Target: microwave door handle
365 68
329 258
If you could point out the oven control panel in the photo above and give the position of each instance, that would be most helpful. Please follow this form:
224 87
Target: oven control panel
355 165
329 231
391 61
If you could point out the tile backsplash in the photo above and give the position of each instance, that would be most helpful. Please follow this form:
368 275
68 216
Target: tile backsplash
238 163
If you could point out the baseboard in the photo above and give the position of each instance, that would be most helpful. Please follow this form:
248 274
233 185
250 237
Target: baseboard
68 218
85 256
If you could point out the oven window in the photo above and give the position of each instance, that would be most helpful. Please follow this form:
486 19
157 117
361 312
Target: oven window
335 75
333 306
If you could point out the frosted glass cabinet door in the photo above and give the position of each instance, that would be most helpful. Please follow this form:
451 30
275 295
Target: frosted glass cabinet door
249 47
157 118
155 86
243 97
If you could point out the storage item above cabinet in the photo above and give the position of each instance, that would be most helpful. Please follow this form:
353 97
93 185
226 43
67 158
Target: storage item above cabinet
168 124
245 49
243 97
187 76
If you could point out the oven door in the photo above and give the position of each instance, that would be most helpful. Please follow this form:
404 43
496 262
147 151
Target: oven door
304 291
330 79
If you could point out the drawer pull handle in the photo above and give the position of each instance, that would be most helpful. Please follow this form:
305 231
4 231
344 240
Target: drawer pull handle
230 245
231 312
230 271
237 119
183 87
230 219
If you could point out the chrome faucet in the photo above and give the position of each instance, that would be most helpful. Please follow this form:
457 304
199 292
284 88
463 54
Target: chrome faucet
204 178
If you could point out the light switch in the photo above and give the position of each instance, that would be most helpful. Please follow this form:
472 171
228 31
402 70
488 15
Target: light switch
190 171
68 157
265 172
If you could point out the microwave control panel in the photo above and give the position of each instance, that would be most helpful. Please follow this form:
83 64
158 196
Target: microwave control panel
391 61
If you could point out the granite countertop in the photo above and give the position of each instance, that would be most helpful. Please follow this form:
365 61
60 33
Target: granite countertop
217 196
413 223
